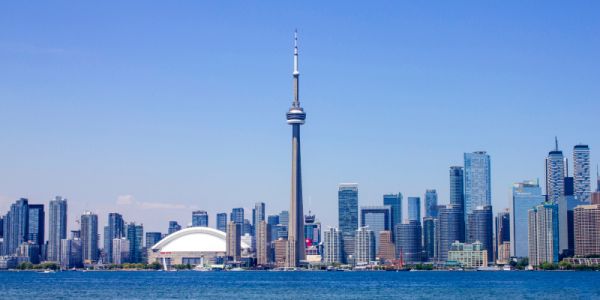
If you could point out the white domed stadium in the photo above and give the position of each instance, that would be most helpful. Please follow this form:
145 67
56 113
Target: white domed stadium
193 245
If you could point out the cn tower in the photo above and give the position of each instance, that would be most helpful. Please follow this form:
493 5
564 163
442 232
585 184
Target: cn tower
295 117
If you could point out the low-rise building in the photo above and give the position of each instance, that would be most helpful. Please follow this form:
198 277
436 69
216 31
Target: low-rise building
468 255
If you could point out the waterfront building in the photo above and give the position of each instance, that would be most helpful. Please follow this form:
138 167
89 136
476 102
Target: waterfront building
29 250
503 253
555 191
587 230
15 226
347 216
332 246
135 235
120 251
543 234
203 246
429 245
152 238
173 227
377 219
481 228
394 201
431 203
387 248
414 209
237 216
263 240
222 222
502 231
281 252
233 240
452 228
115 229
365 246
408 242
572 202
57 227
478 191
200 218
36 224
581 175
70 254
295 117
525 195
89 237
468 256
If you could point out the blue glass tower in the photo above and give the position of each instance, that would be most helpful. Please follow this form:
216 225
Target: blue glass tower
199 218
348 216
222 222
478 191
414 209
431 203
58 227
394 201
377 219
525 195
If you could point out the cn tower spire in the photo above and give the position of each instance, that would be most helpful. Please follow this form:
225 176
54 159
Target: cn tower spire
296 73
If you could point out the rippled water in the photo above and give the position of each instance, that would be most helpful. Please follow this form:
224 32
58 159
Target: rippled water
297 285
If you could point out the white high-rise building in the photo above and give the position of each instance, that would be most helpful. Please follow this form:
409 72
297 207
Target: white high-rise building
364 250
543 237
555 191
332 248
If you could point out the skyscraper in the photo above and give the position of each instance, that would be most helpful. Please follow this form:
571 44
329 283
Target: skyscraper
312 233
525 195
89 237
376 219
58 227
452 228
457 193
332 247
115 229
543 234
365 246
152 238
263 240
414 209
387 248
478 191
233 240
258 214
273 221
581 175
480 229
587 233
395 203
429 244
135 235
222 222
555 191
37 224
296 117
431 203
348 216
502 230
237 215
69 253
173 227
408 242
120 250
199 218
16 225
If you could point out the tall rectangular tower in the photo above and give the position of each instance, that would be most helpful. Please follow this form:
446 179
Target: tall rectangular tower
348 216
58 227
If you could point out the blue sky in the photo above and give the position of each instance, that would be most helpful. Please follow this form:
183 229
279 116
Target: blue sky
154 109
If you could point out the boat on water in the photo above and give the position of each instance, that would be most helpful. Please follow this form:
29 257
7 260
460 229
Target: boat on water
47 271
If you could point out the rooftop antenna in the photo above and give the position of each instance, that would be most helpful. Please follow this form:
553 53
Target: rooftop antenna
556 143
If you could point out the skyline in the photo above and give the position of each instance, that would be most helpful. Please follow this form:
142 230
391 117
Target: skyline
163 146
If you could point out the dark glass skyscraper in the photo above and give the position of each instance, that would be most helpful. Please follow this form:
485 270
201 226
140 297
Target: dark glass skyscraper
452 228
37 224
394 201
295 117
114 230
58 227
237 216
477 180
16 225
89 236
135 235
555 192
348 216
457 196
173 227
429 237
502 229
414 209
199 218
480 229
408 242
431 203
376 219
222 222
152 238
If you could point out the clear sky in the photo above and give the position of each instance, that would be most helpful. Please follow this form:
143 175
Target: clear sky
154 109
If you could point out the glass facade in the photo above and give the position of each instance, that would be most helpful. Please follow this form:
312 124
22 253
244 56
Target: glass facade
222 222
237 216
394 201
581 173
525 195
414 209
58 227
478 191
452 228
431 203
457 196
348 216
376 219
408 242
152 238
199 218
89 237
135 235
35 232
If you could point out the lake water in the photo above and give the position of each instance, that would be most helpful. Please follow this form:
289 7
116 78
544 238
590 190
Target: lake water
301 285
